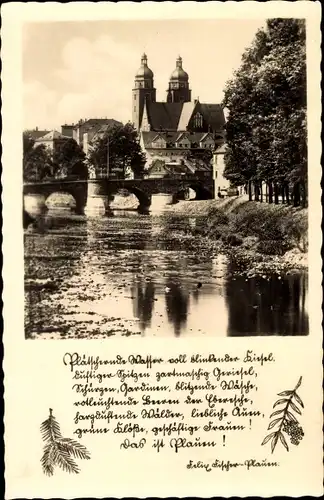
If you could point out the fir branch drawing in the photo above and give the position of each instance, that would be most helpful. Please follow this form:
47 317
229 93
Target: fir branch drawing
59 450
286 419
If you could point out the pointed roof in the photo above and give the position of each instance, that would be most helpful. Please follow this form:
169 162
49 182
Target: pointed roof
206 134
147 137
172 116
52 135
158 135
36 134
181 135
221 149
213 114
164 115
186 113
96 123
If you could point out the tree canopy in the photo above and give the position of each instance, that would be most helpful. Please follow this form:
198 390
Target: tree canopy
39 162
266 128
201 155
36 160
68 160
118 152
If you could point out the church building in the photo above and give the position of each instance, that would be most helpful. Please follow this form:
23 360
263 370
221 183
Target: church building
175 133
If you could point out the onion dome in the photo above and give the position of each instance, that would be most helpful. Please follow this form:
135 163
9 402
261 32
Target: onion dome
144 71
179 73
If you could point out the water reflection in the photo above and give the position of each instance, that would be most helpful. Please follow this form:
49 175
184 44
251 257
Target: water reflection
272 306
52 255
120 276
143 303
177 305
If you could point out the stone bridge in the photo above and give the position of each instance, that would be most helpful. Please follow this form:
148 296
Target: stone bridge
84 191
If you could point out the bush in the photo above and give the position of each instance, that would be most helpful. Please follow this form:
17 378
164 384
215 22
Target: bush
233 240
272 247
296 230
250 242
217 232
216 217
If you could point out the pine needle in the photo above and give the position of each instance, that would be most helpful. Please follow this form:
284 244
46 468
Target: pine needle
74 448
47 460
59 450
66 463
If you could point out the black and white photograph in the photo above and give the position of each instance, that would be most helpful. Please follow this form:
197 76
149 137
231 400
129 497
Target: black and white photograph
162 205
165 170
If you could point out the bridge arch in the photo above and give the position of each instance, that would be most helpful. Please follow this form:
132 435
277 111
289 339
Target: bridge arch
144 199
78 190
202 192
66 201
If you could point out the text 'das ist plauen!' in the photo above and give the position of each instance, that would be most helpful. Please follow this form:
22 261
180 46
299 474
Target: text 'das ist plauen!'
184 402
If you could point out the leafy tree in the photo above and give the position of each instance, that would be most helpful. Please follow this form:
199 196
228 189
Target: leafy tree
200 155
28 143
69 160
266 100
117 150
37 162
66 160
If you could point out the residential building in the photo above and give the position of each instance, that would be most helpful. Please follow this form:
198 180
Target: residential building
51 139
220 182
36 133
67 130
84 131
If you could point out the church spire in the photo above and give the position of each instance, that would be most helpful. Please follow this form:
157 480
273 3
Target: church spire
144 72
179 62
143 91
178 90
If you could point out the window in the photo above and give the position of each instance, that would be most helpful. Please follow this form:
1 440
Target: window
134 108
134 97
198 120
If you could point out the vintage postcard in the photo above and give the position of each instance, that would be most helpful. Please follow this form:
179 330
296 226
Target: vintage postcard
161 241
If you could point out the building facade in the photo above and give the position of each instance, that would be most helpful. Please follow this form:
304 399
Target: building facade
178 131
221 184
51 140
36 133
85 130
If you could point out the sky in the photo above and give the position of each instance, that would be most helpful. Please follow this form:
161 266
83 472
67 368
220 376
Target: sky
74 70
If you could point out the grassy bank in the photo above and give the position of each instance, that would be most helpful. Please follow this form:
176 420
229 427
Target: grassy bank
262 237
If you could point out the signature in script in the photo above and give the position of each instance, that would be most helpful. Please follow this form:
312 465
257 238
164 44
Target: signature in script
226 465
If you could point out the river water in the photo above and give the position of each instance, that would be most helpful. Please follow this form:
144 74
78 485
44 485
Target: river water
96 277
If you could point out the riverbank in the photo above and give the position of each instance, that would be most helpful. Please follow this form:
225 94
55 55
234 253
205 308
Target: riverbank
261 238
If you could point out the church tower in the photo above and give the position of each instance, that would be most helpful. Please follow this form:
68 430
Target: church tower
178 90
143 91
